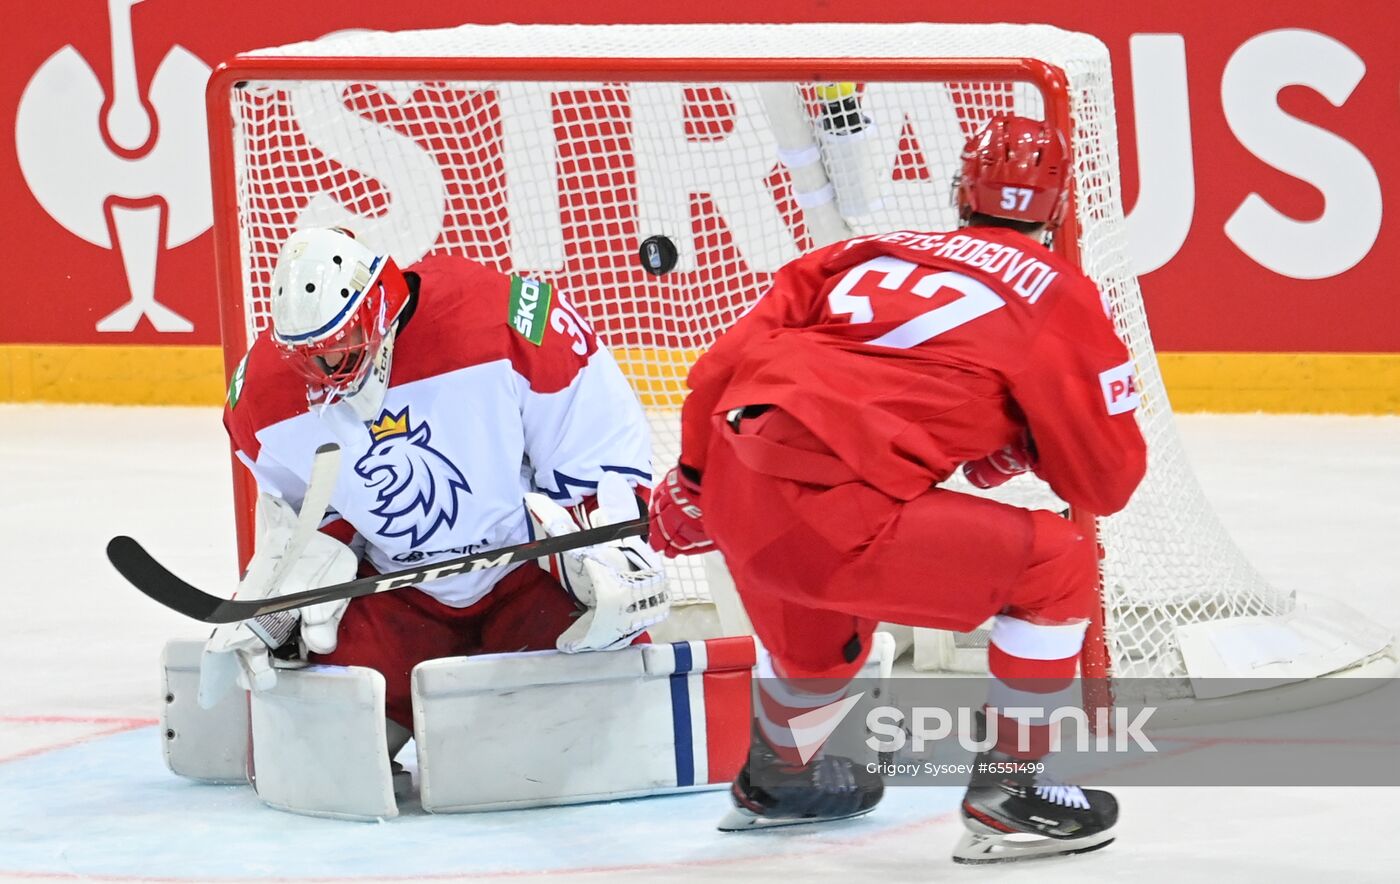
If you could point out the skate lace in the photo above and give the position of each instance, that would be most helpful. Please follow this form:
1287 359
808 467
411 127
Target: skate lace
1065 796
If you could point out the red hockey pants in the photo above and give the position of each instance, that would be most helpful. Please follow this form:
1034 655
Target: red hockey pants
820 557
395 631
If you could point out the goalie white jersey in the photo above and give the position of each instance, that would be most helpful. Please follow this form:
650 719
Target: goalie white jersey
497 387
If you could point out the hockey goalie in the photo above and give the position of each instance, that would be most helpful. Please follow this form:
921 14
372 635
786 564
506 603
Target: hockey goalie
473 410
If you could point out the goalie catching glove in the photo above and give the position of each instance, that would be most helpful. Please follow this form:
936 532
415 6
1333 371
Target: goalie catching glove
621 583
235 654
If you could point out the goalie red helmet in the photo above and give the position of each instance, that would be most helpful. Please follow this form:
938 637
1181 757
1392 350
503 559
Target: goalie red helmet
1015 168
334 301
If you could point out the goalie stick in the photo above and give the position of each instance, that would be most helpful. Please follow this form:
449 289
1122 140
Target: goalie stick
324 467
154 580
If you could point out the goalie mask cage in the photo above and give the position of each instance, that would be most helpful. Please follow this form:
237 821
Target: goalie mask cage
555 151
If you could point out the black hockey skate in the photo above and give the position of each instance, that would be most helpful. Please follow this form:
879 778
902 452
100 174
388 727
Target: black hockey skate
1006 799
769 793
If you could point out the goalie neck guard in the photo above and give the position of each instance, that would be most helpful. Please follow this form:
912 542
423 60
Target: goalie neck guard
334 303
1015 168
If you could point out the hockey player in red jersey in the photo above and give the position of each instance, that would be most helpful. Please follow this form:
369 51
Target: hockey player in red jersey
815 439
470 407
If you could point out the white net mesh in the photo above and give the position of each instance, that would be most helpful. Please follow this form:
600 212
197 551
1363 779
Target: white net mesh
564 178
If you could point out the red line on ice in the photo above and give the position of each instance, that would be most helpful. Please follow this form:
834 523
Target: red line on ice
113 725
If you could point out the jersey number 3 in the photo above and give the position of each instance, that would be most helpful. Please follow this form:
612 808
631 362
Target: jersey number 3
975 299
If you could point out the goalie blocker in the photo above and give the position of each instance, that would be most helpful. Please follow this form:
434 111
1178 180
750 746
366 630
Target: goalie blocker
677 718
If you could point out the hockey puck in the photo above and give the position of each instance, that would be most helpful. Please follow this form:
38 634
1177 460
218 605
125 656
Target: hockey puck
658 255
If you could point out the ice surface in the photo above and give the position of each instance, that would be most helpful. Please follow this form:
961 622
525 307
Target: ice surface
1314 501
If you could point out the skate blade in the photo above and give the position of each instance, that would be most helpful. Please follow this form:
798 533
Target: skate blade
740 820
980 848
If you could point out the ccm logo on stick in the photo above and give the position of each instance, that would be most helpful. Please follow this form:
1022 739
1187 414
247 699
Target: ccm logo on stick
1120 391
417 577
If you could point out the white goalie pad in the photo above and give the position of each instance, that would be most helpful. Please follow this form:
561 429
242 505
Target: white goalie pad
210 745
543 728
320 746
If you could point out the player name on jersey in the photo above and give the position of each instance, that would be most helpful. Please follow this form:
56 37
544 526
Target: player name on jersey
1027 275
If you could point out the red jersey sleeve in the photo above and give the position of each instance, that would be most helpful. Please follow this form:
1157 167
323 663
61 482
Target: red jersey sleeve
1078 390
787 303
264 391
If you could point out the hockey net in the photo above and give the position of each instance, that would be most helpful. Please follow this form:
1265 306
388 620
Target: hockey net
555 151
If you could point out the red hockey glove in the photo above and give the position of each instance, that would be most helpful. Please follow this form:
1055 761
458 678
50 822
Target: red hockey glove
999 466
677 524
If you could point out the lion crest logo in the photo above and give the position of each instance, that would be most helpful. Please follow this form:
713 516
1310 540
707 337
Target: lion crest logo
417 488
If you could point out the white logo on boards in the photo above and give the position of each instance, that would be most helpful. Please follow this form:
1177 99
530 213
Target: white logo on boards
1254 77
138 181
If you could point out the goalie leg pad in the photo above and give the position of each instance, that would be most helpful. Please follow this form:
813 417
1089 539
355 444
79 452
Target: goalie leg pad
210 745
642 720
320 745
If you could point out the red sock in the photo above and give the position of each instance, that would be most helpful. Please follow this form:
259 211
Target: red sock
1033 665
781 704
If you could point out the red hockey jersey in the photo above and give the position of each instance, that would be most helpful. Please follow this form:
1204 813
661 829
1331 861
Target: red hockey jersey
910 353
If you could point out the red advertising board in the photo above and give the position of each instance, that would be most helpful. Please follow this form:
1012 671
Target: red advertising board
1259 147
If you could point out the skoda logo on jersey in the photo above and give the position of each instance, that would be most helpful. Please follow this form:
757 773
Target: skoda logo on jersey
417 487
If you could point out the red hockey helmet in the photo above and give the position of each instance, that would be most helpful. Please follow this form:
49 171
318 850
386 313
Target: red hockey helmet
333 302
1015 168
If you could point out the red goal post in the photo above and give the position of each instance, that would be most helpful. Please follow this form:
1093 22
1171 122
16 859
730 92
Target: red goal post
559 148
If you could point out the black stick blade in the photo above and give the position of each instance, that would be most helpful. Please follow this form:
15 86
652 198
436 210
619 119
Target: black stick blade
153 579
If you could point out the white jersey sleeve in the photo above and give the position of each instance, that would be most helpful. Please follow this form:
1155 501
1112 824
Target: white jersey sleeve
592 426
275 479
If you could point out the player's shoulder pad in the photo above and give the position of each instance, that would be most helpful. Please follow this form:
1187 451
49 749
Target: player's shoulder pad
469 314
550 341
235 384
263 390
528 310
